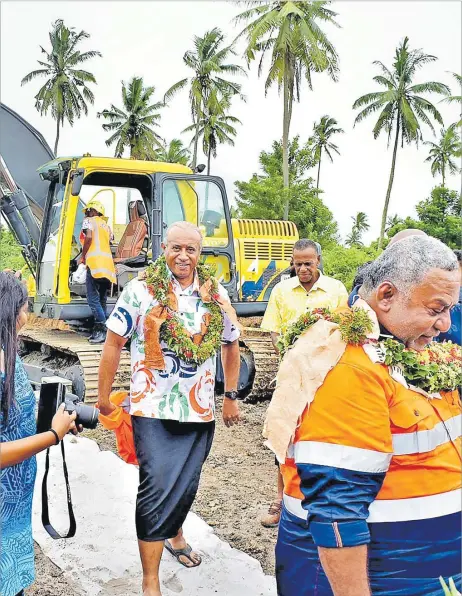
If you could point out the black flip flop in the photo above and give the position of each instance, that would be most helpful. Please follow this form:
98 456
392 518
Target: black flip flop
182 552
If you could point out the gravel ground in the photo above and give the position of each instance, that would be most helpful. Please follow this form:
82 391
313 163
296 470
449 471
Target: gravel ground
237 483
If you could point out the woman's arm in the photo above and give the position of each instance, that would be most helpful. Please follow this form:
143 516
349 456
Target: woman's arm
15 452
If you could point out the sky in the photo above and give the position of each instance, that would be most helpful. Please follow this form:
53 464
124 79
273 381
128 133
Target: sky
149 39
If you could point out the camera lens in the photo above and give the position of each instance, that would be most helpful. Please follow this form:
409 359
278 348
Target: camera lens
87 416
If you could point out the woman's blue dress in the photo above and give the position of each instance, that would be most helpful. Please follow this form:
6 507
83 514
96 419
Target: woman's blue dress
16 490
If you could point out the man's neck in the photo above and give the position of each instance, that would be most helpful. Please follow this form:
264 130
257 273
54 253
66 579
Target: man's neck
309 285
185 283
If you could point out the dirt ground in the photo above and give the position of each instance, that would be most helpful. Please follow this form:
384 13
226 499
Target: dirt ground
238 482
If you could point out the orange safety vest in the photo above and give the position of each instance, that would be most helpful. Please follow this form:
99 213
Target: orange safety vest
362 419
99 256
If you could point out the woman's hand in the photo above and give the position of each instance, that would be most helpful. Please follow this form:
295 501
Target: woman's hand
63 422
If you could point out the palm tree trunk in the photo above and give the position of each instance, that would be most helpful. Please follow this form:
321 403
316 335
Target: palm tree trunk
285 139
390 184
57 135
319 169
196 143
209 154
443 174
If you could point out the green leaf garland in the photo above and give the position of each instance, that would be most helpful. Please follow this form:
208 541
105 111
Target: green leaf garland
173 331
437 368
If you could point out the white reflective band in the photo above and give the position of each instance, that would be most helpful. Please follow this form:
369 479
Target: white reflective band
294 506
398 510
341 456
101 270
424 441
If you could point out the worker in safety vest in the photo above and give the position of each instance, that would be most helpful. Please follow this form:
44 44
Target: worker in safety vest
372 499
97 256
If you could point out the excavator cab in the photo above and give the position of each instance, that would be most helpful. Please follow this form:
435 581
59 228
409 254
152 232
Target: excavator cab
141 200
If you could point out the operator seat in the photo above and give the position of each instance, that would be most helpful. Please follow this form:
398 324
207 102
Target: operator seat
132 247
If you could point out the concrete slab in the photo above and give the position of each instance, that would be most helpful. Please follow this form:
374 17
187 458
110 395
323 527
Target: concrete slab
102 559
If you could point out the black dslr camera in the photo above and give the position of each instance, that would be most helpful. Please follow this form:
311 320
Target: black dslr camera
53 392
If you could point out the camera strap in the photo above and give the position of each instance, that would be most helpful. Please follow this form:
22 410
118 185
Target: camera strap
45 515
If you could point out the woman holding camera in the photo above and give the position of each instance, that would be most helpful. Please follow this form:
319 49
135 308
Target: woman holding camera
19 444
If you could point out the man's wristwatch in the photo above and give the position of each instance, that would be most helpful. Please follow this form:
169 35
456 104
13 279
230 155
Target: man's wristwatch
231 395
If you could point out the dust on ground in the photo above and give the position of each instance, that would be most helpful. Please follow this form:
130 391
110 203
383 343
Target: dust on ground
237 483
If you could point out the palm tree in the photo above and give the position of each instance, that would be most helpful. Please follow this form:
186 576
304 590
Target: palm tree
65 92
323 131
290 32
456 98
401 106
132 125
354 238
392 221
360 222
215 126
360 225
441 154
209 61
173 152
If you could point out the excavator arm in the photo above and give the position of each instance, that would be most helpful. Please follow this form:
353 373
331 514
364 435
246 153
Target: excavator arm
22 193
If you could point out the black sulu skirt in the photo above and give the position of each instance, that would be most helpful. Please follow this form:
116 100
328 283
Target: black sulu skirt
170 456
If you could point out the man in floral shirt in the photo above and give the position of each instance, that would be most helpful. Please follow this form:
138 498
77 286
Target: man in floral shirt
176 321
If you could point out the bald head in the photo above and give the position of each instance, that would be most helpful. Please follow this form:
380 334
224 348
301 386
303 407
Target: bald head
405 234
182 250
184 228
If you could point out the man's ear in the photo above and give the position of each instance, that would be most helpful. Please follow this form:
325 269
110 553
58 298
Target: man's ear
163 246
386 294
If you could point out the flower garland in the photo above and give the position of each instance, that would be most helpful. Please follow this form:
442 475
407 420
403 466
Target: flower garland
437 368
189 348
354 326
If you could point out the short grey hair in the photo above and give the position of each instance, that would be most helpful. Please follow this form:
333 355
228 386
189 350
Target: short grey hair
406 263
304 243
184 225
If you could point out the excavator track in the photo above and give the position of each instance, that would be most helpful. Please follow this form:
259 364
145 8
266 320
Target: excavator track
51 348
265 359
60 344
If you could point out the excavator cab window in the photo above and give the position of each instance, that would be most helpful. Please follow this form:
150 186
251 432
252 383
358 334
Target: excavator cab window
49 256
202 201
124 200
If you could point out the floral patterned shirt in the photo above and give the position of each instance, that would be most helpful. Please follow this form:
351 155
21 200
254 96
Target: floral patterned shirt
183 391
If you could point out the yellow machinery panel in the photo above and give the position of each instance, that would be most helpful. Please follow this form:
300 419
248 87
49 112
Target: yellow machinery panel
263 251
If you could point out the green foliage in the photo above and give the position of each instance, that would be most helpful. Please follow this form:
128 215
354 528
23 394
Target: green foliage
290 34
209 62
442 154
360 225
322 133
264 195
456 98
438 216
354 326
173 152
65 92
437 368
400 106
215 125
133 127
10 253
342 263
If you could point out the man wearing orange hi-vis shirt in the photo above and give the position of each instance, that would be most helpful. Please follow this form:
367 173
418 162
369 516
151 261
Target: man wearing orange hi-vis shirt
97 256
369 432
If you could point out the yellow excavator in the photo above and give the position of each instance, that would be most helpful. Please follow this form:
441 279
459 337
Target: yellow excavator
43 207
